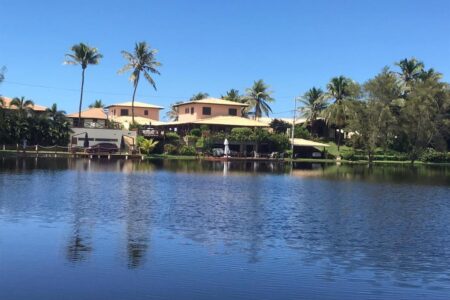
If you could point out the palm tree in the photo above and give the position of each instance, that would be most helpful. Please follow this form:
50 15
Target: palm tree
431 74
55 114
199 96
313 104
341 90
410 69
141 60
172 114
258 98
23 106
97 104
82 55
232 95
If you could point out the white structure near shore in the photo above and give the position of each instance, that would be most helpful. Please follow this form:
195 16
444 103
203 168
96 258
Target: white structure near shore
96 136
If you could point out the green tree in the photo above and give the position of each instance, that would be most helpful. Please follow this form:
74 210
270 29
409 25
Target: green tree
97 104
313 104
199 96
141 61
172 114
24 106
342 91
82 55
258 98
54 114
232 95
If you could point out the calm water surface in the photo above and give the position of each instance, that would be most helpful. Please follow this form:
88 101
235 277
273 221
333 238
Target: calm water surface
80 229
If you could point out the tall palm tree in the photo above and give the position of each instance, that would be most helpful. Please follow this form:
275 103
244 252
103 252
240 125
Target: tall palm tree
341 90
313 105
142 60
199 96
232 95
23 105
258 98
82 55
97 104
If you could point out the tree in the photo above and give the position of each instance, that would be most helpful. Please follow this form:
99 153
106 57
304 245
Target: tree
232 95
142 60
341 90
172 114
422 119
97 104
2 73
410 69
23 106
258 98
147 146
82 55
314 104
199 96
279 126
54 114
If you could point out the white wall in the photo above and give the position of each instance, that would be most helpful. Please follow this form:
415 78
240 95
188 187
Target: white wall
96 136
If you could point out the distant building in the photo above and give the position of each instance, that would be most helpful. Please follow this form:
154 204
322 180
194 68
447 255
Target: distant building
90 118
144 113
208 108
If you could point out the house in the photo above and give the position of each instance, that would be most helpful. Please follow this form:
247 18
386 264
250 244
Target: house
141 109
90 118
216 114
208 108
308 149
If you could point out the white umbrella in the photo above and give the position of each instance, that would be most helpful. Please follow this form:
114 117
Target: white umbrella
226 150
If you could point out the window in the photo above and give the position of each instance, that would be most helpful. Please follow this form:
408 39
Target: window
232 111
145 112
206 111
192 110
186 110
124 112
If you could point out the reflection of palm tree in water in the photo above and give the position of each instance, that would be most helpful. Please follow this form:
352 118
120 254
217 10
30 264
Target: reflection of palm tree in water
137 230
79 246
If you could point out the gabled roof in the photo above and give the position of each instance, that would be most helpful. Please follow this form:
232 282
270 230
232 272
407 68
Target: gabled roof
136 104
35 107
224 121
212 101
92 113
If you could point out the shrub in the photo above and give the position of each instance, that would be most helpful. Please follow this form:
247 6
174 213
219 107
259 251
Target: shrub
301 132
240 134
172 137
196 132
280 142
187 150
147 146
170 149
431 155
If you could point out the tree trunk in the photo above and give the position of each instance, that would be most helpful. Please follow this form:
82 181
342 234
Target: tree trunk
338 138
81 97
132 100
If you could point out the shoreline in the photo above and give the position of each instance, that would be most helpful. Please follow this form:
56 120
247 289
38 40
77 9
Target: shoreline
153 157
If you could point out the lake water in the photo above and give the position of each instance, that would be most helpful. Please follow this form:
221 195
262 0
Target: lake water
80 229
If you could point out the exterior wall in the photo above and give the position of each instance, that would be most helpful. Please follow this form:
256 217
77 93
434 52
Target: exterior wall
153 113
216 111
90 123
96 136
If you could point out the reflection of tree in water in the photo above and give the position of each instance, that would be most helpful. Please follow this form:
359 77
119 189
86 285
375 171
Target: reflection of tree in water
390 229
79 246
137 218
137 230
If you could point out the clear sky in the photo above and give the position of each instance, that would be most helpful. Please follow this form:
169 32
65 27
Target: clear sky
212 46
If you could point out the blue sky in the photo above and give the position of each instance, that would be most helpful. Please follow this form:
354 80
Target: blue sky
212 46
